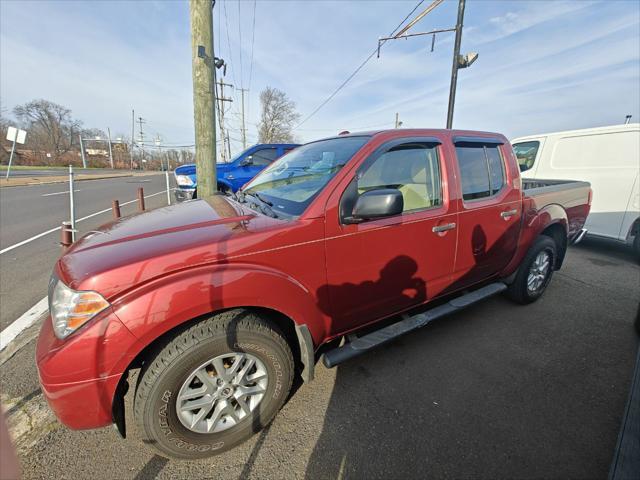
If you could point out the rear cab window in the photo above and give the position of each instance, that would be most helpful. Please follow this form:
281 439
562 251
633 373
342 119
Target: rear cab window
526 153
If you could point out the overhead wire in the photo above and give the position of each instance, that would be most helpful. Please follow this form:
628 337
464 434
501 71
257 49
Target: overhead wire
240 42
355 72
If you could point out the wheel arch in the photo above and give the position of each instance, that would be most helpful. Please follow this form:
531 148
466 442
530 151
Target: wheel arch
224 184
558 232
297 336
634 230
157 311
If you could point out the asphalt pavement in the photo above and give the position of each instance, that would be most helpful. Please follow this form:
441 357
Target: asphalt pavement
30 210
497 391
53 172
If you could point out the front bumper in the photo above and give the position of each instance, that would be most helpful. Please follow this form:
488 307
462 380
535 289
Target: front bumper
183 194
79 375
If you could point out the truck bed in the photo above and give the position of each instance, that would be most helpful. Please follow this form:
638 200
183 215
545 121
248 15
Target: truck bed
538 186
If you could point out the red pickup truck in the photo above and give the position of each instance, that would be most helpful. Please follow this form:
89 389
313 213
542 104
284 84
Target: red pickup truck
337 247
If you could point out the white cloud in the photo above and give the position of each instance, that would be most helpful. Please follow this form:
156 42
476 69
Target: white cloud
564 64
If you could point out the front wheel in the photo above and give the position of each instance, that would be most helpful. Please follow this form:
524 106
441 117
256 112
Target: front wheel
535 272
213 386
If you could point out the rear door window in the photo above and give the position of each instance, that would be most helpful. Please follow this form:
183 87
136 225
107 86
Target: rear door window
481 170
526 154
496 171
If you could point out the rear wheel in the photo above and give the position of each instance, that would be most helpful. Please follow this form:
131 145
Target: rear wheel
636 245
535 272
213 386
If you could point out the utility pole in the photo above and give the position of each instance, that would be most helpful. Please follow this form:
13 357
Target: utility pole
398 122
201 16
84 161
223 132
133 133
141 121
110 151
244 129
459 61
158 142
456 64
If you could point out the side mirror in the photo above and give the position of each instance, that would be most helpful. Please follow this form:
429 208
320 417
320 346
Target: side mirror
378 203
247 161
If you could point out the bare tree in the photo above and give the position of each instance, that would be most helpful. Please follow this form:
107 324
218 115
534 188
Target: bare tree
51 127
278 117
4 125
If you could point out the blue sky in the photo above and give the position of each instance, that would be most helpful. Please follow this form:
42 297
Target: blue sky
543 65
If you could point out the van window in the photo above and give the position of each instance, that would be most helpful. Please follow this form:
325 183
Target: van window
526 154
413 169
481 171
604 150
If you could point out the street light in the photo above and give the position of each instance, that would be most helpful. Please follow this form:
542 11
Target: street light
467 60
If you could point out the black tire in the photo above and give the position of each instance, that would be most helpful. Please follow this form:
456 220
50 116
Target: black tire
636 246
518 291
222 188
162 377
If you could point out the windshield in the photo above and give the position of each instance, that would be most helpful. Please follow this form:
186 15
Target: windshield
290 183
526 154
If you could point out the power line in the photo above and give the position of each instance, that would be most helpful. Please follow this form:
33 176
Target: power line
226 21
355 72
253 38
240 41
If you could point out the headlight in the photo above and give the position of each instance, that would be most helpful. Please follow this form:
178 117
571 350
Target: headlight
184 180
70 309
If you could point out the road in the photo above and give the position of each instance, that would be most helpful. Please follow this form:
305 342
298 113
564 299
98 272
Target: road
497 391
30 210
54 172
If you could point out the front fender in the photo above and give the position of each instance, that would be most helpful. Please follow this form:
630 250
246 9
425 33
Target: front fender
162 305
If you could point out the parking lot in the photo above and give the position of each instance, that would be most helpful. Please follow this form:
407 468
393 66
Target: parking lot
499 390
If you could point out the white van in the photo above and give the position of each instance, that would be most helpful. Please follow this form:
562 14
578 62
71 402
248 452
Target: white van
606 157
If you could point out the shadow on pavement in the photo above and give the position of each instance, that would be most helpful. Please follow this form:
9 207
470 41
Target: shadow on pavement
615 250
152 468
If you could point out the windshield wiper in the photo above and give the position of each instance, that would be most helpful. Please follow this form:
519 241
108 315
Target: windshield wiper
264 206
261 198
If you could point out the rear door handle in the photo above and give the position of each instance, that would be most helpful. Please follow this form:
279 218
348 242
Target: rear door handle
508 213
443 228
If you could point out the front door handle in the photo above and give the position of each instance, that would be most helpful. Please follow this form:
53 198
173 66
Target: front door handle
443 228
508 214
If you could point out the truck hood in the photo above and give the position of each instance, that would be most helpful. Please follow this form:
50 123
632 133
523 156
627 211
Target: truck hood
135 249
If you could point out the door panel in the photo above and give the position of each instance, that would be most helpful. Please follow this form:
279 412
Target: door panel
381 267
490 212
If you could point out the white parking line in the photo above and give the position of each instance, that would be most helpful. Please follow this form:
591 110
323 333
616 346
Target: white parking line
57 193
25 321
35 237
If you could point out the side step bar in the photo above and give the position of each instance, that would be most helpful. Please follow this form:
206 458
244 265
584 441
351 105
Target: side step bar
379 337
579 236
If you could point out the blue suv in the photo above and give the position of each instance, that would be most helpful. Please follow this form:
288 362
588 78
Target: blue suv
234 174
